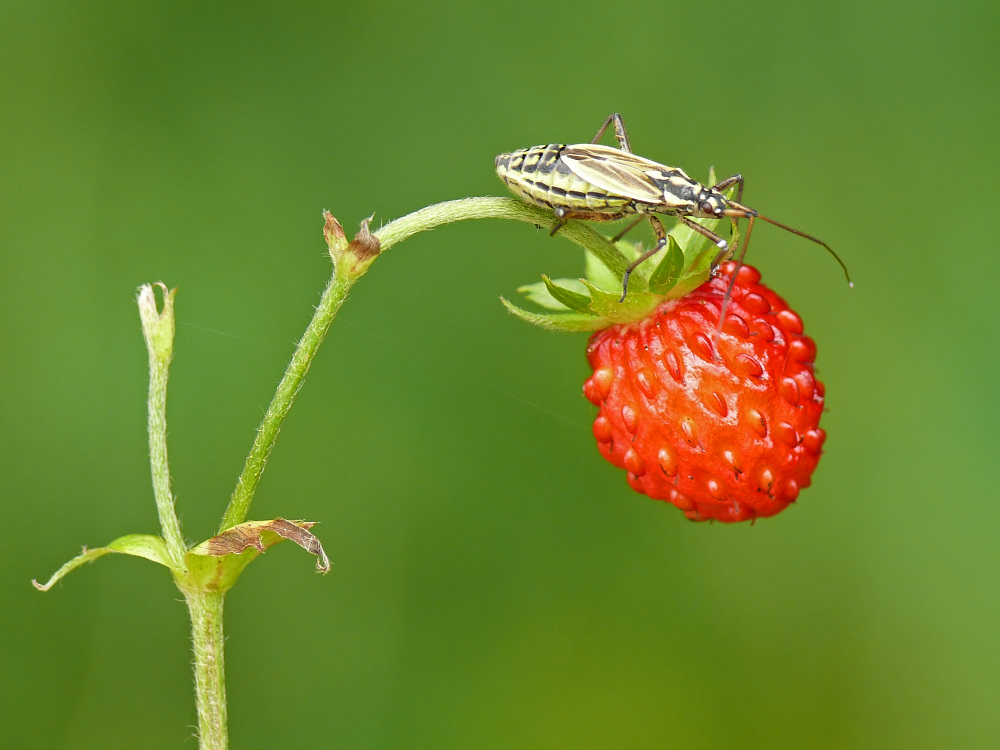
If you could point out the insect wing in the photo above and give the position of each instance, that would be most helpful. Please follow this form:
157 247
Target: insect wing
617 172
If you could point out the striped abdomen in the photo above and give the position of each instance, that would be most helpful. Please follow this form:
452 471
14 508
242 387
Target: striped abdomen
539 176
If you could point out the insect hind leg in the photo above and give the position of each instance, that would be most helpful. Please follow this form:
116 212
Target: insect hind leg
620 134
563 215
628 228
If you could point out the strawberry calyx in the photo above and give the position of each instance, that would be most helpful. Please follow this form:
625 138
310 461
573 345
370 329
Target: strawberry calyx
595 301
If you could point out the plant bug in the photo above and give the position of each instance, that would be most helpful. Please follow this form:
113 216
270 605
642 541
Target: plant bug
599 183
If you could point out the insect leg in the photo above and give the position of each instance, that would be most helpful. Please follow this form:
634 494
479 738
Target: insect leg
732 281
817 240
737 210
620 133
564 214
626 230
661 240
729 182
736 179
704 232
661 235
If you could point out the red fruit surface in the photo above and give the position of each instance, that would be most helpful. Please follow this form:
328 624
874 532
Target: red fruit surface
730 437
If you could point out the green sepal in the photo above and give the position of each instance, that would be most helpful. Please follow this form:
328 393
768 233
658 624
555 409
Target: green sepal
216 563
699 253
604 252
539 294
217 574
696 246
556 321
635 306
573 300
698 270
668 270
157 325
213 565
686 263
599 274
138 545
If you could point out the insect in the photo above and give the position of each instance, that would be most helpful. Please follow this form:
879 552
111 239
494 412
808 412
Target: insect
599 183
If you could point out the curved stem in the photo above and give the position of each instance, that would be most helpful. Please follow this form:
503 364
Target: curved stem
500 208
333 297
346 274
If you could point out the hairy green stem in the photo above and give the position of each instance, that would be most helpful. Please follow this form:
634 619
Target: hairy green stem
159 466
500 208
205 609
333 297
158 331
351 260
345 274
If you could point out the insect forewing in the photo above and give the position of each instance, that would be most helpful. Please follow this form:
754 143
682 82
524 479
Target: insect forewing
618 172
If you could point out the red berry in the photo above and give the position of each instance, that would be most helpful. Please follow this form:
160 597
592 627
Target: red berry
722 425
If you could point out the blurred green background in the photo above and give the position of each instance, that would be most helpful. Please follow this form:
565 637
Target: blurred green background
495 583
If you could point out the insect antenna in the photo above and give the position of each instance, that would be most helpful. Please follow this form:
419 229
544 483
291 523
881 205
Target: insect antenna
817 240
739 211
751 214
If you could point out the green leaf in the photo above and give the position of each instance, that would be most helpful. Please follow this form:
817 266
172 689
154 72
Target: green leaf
573 300
668 271
138 545
569 321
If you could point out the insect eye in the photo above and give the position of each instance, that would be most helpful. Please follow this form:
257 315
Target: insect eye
710 208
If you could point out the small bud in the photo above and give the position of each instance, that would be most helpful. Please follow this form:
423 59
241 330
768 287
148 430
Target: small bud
336 240
365 245
157 326
351 258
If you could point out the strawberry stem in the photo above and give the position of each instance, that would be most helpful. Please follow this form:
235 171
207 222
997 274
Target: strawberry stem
158 331
346 272
333 297
500 208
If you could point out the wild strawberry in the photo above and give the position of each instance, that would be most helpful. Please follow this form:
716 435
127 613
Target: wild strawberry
723 423
728 433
